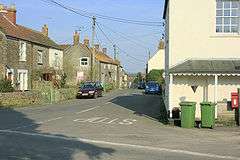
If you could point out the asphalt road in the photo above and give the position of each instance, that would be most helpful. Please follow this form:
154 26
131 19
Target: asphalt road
122 125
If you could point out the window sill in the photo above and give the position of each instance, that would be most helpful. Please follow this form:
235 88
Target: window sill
226 35
22 60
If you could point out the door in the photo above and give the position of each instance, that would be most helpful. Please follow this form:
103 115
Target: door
23 80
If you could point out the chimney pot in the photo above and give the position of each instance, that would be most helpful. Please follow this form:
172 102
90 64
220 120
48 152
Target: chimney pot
76 38
97 47
86 42
104 50
161 44
45 30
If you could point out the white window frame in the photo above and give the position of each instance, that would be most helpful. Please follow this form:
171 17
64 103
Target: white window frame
86 63
226 20
22 51
40 57
56 60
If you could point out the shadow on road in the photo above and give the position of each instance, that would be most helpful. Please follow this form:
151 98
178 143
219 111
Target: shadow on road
40 146
144 105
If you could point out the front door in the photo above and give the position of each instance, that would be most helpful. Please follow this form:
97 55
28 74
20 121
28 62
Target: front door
23 80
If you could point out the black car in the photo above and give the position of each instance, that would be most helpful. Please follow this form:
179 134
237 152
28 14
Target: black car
91 90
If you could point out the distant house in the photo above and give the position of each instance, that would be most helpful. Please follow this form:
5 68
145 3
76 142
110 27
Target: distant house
28 52
157 60
109 69
77 60
202 57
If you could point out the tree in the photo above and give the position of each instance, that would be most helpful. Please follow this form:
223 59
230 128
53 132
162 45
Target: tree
138 78
156 75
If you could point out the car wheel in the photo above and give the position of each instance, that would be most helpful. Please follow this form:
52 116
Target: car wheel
95 96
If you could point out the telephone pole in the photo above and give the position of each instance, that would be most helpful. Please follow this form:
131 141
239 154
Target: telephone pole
93 48
115 52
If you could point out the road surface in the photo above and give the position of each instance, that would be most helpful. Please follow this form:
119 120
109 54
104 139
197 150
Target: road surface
122 125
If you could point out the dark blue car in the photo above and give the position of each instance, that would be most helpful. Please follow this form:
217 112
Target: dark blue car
152 88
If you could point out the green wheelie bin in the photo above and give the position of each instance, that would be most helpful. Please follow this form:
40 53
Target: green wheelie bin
208 114
188 114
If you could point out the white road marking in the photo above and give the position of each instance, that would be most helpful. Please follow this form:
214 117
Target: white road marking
106 120
142 147
90 109
37 123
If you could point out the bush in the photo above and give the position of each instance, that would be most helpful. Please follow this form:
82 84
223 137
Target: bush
108 87
155 75
6 86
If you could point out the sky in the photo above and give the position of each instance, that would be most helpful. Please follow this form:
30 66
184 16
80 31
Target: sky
62 24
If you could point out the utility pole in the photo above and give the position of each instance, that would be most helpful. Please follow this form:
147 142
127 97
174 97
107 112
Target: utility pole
93 48
115 52
118 66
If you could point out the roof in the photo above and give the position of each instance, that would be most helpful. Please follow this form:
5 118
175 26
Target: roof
64 46
216 66
20 32
165 9
100 56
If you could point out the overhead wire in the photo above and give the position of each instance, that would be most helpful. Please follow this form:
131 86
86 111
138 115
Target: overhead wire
123 51
116 19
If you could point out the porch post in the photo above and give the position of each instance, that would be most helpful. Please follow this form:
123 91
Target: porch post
216 93
170 94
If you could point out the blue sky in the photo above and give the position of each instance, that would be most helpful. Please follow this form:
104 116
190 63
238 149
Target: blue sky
62 23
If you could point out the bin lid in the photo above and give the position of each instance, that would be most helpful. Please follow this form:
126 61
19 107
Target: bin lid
208 104
185 103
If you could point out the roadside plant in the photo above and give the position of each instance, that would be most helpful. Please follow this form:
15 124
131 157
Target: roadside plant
6 86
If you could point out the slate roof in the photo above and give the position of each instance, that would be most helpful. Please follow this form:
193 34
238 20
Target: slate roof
217 66
24 33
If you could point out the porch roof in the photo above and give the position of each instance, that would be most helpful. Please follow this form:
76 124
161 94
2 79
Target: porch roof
214 66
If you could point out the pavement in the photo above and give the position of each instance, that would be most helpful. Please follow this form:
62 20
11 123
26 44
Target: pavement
123 124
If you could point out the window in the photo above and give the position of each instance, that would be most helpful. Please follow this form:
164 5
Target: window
227 19
84 61
56 60
22 51
40 57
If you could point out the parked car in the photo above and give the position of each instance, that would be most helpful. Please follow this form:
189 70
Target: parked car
91 90
141 85
152 88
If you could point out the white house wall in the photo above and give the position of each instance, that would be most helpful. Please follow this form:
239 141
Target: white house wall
157 61
192 32
181 89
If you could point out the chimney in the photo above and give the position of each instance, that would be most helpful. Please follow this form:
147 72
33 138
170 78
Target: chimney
10 12
45 30
104 50
97 47
161 44
86 41
76 38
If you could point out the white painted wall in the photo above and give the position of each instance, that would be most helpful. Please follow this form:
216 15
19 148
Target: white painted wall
191 33
53 58
181 89
157 61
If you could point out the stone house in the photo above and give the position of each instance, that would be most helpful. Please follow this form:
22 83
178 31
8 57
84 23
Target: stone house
77 62
109 69
202 53
27 52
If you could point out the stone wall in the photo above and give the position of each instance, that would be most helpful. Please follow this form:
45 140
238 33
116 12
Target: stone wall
20 99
